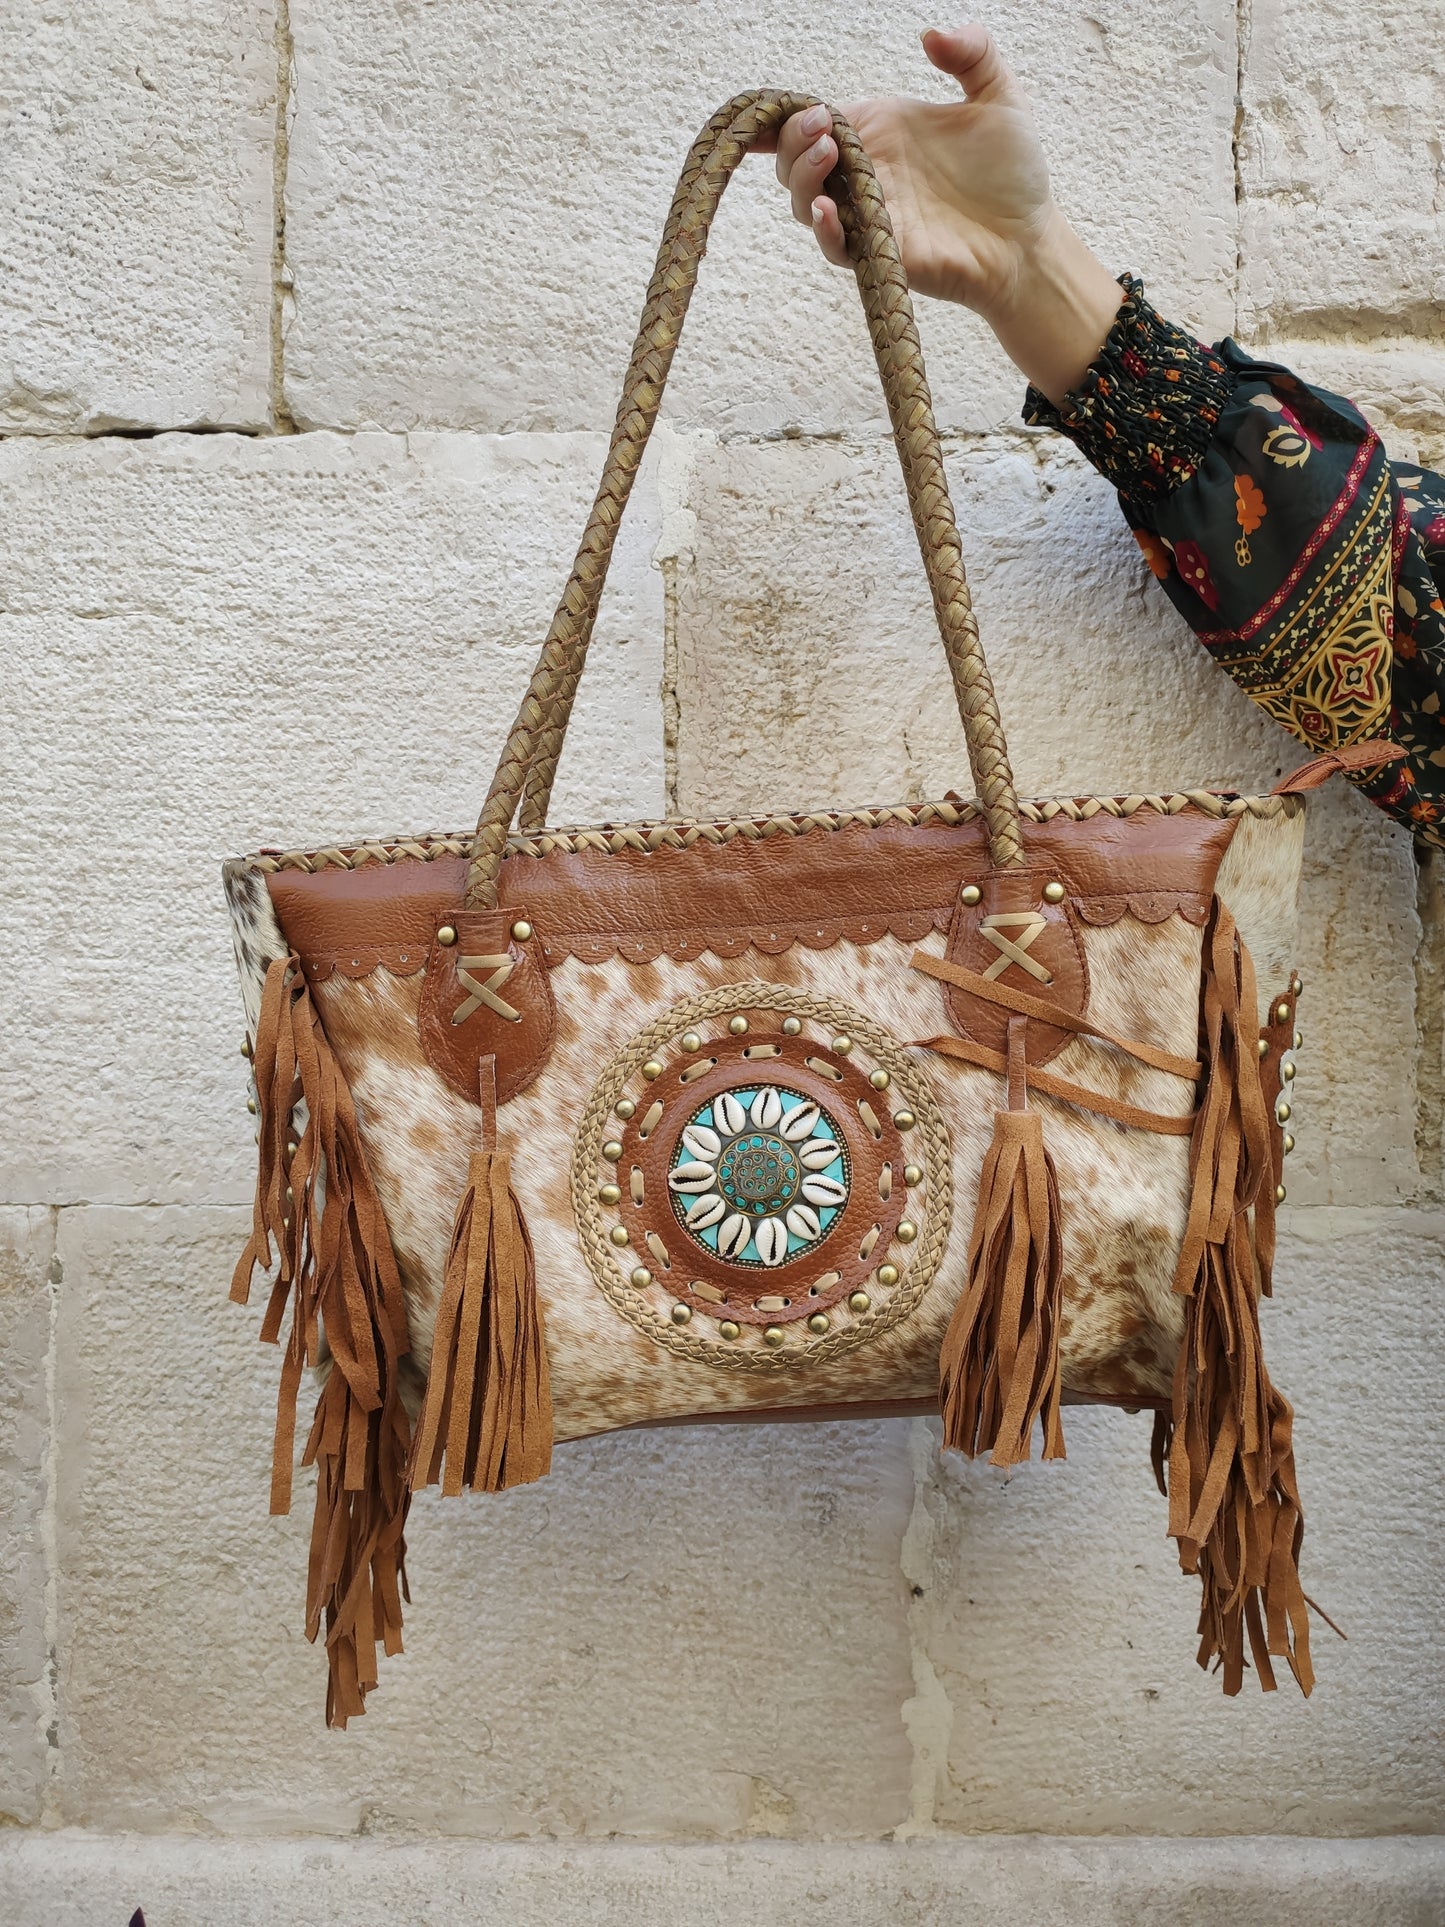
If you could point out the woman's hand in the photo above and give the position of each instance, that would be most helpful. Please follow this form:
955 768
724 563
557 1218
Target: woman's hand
967 187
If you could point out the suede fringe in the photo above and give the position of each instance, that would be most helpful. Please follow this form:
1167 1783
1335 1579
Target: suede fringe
487 1418
334 1262
1233 1502
999 1365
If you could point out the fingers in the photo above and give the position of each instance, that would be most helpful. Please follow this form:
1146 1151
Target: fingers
829 231
807 154
970 55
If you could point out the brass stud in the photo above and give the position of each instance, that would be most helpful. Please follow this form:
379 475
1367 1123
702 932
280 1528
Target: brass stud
651 1069
610 1194
1053 893
1282 1013
971 894
1287 1072
251 1105
907 1232
1279 1194
729 1329
246 1047
624 1108
818 1323
913 1174
888 1274
880 1080
791 1026
1282 1113
1299 983
642 1277
691 1041
521 930
737 1025
904 1120
842 1043
1263 1046
292 1147
618 1234
1288 1143
859 1301
447 934
1298 1039
773 1336
290 1194
681 1314
612 1150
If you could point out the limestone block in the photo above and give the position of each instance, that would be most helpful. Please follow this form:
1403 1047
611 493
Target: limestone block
215 643
1343 231
809 672
696 1632
1062 1633
73 1879
136 200
26 1688
473 204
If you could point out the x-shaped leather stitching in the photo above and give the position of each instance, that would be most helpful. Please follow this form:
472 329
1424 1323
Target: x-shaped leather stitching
1029 925
485 992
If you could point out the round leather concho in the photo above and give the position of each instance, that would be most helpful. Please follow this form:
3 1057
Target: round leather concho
764 1212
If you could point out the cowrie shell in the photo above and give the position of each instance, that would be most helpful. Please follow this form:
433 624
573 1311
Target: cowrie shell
704 1211
803 1221
730 1114
733 1234
824 1191
771 1239
820 1152
799 1124
766 1108
692 1177
702 1142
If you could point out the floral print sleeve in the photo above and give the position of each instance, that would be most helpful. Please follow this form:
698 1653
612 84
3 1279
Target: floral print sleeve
1310 568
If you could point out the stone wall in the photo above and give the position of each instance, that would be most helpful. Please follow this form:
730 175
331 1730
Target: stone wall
312 325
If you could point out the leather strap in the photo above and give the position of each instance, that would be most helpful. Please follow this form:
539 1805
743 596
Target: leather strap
1047 1012
1347 760
884 289
1051 1086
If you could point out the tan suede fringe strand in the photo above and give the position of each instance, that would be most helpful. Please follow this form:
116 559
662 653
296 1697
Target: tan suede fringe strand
999 1363
1233 1503
488 1408
315 1197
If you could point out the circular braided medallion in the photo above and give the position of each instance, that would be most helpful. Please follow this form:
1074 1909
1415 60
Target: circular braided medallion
762 1177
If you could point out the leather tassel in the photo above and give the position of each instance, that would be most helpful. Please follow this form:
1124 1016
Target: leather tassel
1233 1501
335 1265
999 1365
486 1421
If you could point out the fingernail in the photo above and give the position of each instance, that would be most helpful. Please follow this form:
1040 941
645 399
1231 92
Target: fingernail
817 214
818 151
815 120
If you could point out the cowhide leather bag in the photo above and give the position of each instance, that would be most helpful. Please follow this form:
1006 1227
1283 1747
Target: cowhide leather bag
966 1107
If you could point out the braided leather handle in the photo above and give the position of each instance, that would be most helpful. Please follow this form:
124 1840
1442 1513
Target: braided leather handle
528 760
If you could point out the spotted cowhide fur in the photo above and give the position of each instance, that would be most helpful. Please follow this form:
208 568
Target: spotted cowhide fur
1124 1192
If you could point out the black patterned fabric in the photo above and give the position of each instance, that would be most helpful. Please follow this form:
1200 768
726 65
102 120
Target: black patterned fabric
1309 566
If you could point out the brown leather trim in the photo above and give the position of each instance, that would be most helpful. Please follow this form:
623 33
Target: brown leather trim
838 1253
857 883
486 995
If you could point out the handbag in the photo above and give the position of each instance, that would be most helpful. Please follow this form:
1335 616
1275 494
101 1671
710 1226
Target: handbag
965 1107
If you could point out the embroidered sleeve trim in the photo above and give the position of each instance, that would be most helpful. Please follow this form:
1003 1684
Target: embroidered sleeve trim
1147 409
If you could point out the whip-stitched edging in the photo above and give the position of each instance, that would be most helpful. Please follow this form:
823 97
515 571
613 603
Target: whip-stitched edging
684 833
835 1015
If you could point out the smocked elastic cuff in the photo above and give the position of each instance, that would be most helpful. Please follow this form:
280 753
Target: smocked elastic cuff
1146 410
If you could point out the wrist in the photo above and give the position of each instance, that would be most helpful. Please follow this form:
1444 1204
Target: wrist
1057 311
